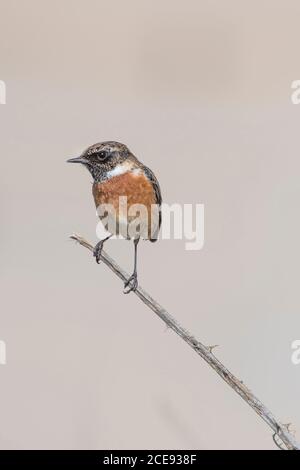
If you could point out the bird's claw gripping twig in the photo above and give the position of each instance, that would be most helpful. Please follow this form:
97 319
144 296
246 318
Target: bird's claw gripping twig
131 284
97 251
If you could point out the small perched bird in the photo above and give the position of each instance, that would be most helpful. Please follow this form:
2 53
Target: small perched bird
117 173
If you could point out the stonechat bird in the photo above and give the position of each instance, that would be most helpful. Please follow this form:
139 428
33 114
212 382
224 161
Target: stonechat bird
119 176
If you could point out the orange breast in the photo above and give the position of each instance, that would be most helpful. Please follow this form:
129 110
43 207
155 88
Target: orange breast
137 189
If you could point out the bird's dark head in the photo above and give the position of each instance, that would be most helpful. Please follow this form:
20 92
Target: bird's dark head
105 159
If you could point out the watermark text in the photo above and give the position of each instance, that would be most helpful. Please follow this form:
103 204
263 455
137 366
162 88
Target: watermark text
179 222
295 357
2 352
2 92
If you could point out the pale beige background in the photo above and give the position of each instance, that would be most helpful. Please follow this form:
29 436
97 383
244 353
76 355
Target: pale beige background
200 91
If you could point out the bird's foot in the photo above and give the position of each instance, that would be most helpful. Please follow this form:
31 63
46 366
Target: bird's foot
131 284
97 251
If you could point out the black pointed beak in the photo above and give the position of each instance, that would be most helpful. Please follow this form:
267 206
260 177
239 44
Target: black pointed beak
77 160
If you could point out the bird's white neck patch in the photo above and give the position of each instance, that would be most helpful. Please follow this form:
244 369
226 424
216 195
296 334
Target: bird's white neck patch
121 169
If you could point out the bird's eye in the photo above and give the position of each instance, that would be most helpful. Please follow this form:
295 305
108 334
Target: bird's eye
102 155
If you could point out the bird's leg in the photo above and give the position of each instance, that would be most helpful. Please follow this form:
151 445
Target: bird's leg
132 282
98 249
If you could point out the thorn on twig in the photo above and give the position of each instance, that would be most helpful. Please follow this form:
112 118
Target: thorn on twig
288 427
211 348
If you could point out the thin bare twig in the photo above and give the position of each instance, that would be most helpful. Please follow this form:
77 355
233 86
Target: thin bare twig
280 431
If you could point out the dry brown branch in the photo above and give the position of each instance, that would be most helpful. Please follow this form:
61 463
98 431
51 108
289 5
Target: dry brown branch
279 430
